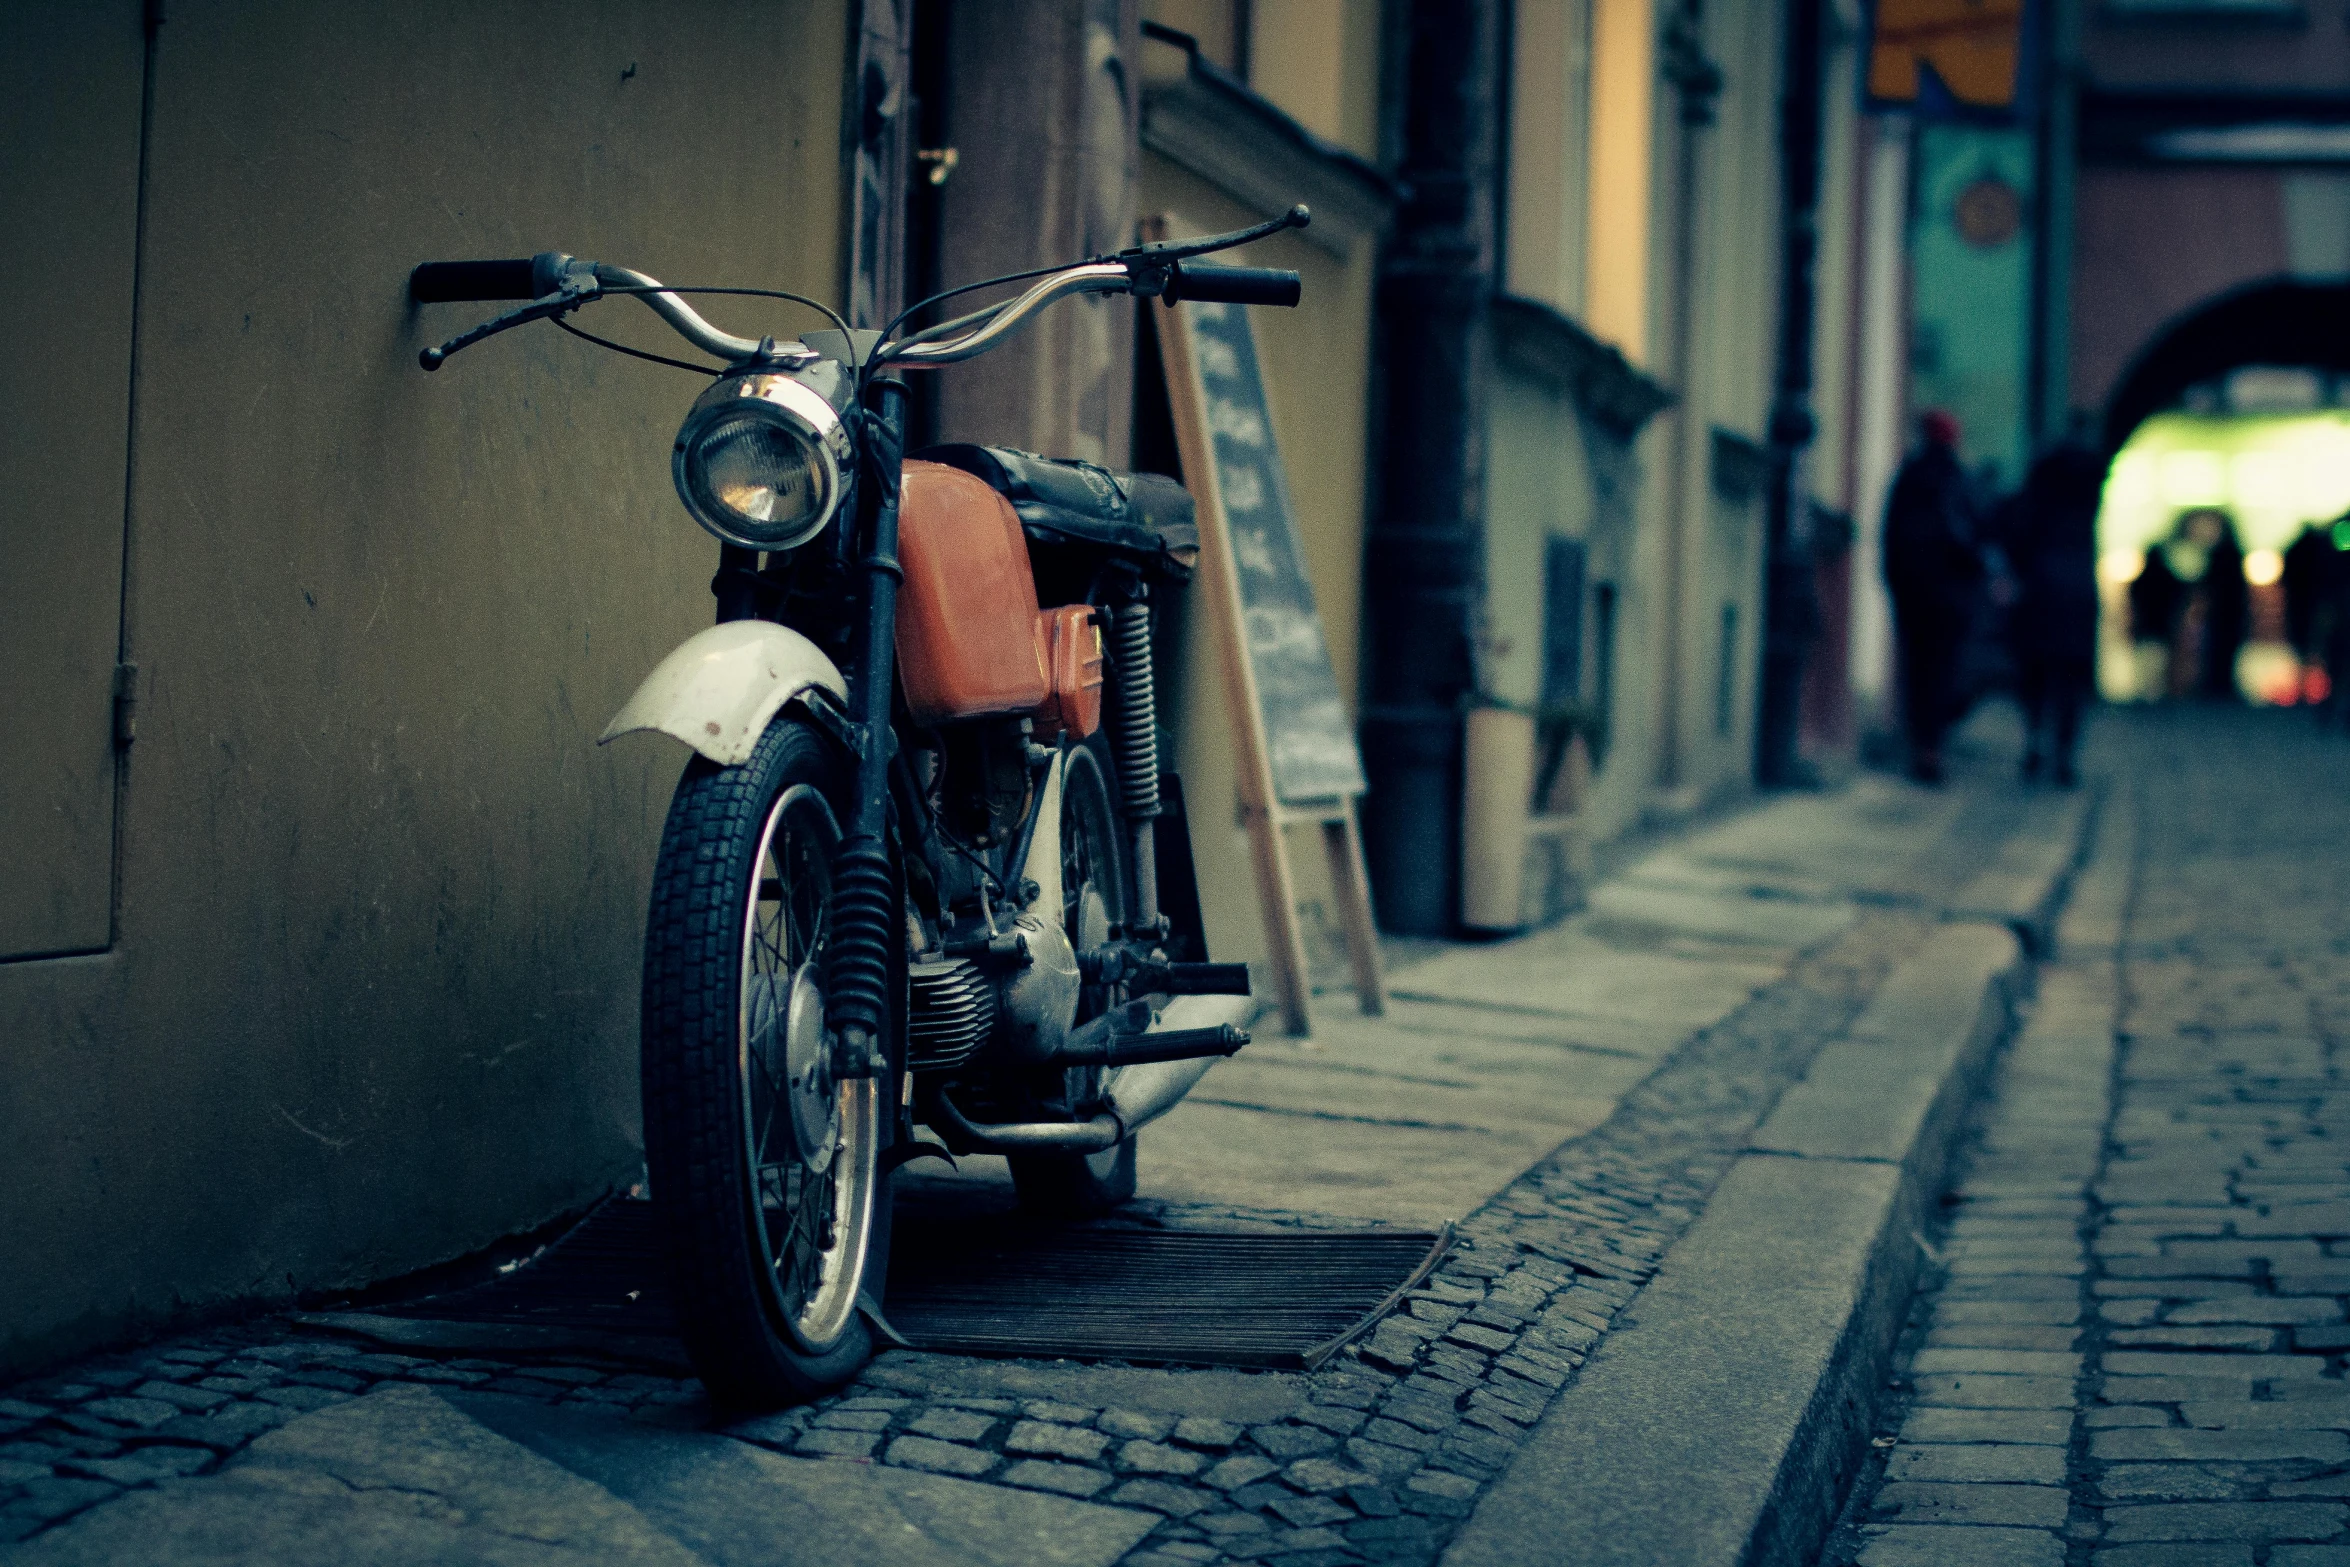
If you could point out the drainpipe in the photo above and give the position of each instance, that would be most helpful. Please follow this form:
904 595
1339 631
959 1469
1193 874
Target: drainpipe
1790 606
1424 552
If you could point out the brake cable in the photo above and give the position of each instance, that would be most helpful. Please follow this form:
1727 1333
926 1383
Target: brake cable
635 353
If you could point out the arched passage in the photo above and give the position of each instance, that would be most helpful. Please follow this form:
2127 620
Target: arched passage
2259 480
2280 321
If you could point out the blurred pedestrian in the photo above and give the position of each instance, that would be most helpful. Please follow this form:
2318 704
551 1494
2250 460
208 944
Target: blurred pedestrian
2051 547
2158 606
2228 616
2309 565
1934 574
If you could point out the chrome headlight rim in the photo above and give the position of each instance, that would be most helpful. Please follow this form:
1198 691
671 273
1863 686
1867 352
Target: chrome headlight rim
789 405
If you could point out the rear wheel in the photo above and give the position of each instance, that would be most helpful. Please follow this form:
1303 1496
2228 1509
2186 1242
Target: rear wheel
1093 889
768 1170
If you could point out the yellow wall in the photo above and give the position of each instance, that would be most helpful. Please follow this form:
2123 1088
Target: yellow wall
1319 61
372 999
1549 151
1623 90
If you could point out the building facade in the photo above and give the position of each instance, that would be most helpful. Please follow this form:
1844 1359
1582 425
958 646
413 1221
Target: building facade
319 943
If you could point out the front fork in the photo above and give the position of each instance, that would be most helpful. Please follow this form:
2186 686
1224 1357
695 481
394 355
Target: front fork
867 939
863 943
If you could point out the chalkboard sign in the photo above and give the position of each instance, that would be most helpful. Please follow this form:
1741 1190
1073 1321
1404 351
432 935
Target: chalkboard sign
1309 742
1294 749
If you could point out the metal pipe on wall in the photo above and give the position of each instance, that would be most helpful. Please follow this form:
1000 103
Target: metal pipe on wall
1424 566
1790 606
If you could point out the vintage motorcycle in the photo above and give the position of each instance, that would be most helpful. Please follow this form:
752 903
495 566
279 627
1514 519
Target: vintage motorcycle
925 865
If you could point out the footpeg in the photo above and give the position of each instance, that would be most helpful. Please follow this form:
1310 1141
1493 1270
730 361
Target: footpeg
1122 1038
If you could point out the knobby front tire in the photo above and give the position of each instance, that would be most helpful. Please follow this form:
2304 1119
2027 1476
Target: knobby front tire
769 1175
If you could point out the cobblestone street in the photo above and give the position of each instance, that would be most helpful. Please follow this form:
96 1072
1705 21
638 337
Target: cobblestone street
322 1443
2135 1354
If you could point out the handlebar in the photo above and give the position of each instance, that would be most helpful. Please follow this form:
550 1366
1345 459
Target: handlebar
1094 277
553 284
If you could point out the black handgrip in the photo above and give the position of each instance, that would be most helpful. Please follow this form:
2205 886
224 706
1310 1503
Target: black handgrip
1232 285
445 282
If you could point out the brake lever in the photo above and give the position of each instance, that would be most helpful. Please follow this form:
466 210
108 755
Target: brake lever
577 287
1172 250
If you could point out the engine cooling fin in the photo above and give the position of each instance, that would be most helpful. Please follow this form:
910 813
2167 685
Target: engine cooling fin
950 1011
963 1284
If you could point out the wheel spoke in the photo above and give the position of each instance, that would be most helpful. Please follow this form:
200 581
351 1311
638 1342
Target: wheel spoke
787 1132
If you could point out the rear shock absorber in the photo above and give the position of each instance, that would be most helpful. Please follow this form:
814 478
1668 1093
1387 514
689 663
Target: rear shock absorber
1134 744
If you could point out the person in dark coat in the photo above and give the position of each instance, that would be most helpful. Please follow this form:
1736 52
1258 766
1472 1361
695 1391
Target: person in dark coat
2051 547
2308 571
1934 574
2228 618
2157 599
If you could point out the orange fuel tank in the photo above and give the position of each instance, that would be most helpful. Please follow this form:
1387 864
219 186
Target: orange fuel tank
970 640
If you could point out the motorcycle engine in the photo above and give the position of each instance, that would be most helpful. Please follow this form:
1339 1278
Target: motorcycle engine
1040 999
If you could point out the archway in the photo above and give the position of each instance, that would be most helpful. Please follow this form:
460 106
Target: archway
2187 451
2280 321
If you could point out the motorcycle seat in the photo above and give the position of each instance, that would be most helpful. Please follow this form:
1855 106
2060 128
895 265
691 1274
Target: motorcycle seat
1146 518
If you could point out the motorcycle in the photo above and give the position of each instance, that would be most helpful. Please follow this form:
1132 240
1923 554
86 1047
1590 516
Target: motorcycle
925 867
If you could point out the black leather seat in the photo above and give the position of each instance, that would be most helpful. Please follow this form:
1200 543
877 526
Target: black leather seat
1145 517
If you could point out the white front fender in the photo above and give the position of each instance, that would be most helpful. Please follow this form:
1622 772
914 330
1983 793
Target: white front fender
717 691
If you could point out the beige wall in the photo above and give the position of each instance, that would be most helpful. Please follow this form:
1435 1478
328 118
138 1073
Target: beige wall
1537 485
1318 60
371 1001
1550 148
1625 117
1317 367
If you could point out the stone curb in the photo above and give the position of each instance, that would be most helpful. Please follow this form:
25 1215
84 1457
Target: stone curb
2028 879
1727 1412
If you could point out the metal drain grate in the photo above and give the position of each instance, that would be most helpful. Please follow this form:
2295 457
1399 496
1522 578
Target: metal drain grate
1285 1299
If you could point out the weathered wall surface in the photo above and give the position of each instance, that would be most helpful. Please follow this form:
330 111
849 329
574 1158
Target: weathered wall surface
370 1001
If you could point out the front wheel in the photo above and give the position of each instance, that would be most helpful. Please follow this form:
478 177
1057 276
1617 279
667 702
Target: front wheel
768 1171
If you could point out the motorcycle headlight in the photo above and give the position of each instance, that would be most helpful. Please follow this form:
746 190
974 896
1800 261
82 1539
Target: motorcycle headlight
761 461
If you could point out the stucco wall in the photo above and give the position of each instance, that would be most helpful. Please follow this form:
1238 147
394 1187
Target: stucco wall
371 1001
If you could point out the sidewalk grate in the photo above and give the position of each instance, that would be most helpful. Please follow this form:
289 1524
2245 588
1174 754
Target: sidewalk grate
1279 1300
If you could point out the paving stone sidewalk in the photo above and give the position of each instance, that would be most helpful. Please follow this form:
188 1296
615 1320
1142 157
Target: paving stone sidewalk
2134 1356
1376 1458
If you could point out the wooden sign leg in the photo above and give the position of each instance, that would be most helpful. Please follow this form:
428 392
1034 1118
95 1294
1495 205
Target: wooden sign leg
1350 882
1277 893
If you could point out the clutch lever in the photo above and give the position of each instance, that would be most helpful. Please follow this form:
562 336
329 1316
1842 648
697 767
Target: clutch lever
1172 250
577 287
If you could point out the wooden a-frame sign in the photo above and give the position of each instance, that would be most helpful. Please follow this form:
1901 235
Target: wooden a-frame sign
1297 756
